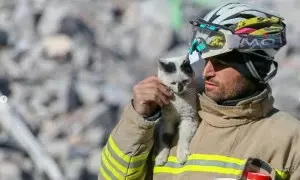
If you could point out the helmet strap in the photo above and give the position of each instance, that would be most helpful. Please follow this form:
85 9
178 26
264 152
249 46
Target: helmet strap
254 72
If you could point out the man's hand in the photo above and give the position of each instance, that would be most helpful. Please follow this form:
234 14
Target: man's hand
149 94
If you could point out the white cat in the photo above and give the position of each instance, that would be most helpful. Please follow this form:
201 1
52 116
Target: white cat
177 73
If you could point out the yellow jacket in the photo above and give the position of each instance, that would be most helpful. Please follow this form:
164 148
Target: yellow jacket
230 139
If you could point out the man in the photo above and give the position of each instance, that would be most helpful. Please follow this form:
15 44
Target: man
240 130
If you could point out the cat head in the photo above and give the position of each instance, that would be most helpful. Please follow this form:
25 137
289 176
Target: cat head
176 73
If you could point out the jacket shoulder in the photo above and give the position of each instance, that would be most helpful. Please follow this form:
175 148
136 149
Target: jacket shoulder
283 133
283 128
283 121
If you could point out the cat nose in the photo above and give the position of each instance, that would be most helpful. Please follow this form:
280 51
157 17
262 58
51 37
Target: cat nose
179 87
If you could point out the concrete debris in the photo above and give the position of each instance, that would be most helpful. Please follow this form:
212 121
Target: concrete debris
68 67
57 46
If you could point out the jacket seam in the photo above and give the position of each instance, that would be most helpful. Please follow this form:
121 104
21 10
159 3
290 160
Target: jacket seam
126 175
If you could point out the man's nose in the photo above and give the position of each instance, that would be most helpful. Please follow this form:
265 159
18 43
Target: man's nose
208 69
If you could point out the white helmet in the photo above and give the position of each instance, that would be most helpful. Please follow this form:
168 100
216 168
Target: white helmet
241 27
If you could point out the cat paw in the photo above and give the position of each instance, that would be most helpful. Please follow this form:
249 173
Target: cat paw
182 155
161 158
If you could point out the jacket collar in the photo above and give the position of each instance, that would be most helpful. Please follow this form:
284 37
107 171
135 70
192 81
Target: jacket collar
251 109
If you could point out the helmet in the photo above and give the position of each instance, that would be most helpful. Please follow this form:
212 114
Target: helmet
244 28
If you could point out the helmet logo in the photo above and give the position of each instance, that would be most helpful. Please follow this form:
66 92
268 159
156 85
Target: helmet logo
252 42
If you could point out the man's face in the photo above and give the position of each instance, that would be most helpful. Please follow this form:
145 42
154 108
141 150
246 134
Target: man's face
223 82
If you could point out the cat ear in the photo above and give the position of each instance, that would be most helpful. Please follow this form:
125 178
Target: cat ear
186 67
161 63
186 60
168 67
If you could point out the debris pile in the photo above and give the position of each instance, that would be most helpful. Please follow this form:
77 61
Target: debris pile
68 67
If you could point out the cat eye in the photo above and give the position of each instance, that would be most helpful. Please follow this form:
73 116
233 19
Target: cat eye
173 83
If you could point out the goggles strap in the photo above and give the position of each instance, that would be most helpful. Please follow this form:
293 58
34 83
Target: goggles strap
257 54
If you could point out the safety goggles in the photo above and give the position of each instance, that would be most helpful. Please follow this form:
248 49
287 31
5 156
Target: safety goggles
212 39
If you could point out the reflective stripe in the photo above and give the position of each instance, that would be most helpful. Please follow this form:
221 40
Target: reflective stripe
203 163
282 174
110 172
136 175
207 163
193 168
120 163
209 157
113 161
115 164
110 168
105 172
212 157
125 157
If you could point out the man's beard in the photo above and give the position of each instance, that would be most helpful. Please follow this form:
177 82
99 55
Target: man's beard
241 88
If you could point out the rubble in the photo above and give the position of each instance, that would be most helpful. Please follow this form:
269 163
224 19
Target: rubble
68 67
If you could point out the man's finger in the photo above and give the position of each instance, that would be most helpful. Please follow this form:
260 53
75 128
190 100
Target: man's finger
144 98
155 93
158 87
149 79
165 90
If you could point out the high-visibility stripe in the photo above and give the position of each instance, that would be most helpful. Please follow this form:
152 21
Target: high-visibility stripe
113 161
211 157
135 176
120 163
208 163
282 174
126 158
110 168
196 168
205 163
125 169
105 172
